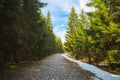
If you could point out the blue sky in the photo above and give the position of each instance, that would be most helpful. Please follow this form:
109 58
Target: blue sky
60 10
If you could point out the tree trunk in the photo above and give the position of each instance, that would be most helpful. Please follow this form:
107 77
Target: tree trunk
89 59
96 60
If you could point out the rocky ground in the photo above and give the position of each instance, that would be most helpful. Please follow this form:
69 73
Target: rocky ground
54 67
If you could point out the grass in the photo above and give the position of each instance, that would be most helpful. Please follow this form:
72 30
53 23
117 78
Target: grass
14 66
108 69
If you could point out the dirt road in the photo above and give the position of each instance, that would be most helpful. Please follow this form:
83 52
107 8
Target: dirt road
54 67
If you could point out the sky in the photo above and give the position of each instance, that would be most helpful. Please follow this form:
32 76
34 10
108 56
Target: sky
60 11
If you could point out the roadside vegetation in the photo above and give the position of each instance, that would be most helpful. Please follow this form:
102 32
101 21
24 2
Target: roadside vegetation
94 37
26 35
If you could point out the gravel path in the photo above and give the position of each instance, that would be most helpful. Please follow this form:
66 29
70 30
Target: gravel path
54 67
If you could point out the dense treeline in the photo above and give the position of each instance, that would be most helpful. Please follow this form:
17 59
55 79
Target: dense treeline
95 36
25 33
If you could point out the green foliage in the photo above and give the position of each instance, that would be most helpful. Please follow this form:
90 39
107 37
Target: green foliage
114 56
71 32
96 35
25 33
12 66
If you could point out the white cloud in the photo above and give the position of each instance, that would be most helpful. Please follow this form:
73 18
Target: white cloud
65 5
84 7
56 6
60 33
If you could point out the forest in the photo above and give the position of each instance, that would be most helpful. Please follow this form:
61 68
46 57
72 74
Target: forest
25 33
94 37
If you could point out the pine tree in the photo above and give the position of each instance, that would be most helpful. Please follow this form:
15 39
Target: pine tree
25 33
72 26
105 25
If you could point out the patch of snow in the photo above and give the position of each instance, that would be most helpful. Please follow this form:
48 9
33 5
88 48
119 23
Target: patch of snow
98 72
95 78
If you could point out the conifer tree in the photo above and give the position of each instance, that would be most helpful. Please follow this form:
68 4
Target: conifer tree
25 33
71 33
